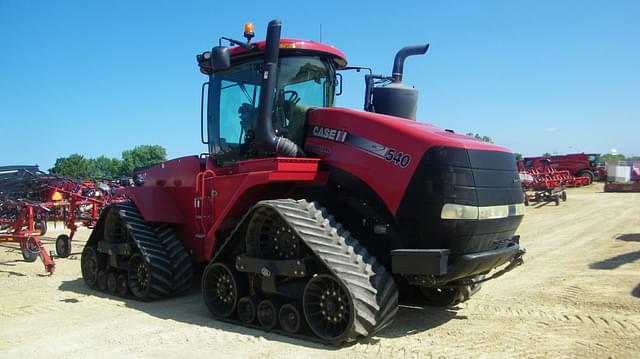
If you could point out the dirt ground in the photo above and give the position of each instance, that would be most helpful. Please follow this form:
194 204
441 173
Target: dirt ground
577 295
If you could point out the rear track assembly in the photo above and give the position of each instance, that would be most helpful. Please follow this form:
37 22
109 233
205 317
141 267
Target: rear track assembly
314 280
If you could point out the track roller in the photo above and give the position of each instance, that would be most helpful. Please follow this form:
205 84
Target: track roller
247 309
112 284
290 318
268 314
102 280
122 285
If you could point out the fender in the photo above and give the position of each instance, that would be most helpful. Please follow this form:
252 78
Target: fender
155 204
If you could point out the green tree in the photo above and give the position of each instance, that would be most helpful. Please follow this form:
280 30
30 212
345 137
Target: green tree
518 156
104 167
612 158
75 166
479 137
546 154
142 156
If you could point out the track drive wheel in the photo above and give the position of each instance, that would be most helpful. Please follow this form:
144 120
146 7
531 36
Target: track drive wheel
221 288
63 246
328 308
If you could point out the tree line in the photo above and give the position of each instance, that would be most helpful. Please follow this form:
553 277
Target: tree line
77 166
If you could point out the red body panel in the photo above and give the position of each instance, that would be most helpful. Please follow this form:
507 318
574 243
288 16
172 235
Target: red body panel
204 202
386 178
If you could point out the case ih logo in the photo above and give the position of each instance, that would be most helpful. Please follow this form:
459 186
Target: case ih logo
330 134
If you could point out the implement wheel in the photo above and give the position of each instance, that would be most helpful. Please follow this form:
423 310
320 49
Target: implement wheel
42 226
328 308
221 289
63 246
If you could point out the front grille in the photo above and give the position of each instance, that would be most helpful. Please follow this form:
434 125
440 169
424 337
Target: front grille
460 176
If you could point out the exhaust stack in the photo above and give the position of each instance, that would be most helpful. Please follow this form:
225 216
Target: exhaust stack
266 137
396 98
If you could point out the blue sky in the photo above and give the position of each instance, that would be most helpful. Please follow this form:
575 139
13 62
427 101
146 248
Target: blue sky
537 76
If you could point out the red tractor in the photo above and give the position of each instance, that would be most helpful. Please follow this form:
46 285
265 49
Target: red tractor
312 220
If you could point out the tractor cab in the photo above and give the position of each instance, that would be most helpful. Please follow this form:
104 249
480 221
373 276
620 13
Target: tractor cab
302 77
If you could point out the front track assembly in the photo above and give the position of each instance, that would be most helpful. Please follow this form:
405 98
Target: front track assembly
127 256
293 269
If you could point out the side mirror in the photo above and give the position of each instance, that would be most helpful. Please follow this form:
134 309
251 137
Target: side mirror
220 58
215 60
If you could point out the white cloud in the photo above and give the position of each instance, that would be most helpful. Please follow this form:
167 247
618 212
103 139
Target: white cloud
551 129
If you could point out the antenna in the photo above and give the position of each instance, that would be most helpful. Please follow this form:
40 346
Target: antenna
320 33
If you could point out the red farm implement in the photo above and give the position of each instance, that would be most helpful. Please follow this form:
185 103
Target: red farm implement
29 197
547 184
19 225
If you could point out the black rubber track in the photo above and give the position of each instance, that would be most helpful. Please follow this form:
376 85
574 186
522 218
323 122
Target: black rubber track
151 250
374 293
168 261
180 260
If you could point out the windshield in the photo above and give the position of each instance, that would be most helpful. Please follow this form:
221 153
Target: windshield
303 83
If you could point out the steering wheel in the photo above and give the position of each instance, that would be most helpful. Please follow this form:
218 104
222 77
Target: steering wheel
292 97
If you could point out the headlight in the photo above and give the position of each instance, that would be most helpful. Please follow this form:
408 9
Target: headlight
459 211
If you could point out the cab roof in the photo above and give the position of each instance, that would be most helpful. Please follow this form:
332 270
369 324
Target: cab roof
293 45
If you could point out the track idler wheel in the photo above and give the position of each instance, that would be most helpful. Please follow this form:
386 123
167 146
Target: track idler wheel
122 287
328 308
63 246
139 275
112 283
221 289
247 309
268 314
102 280
290 318
90 265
